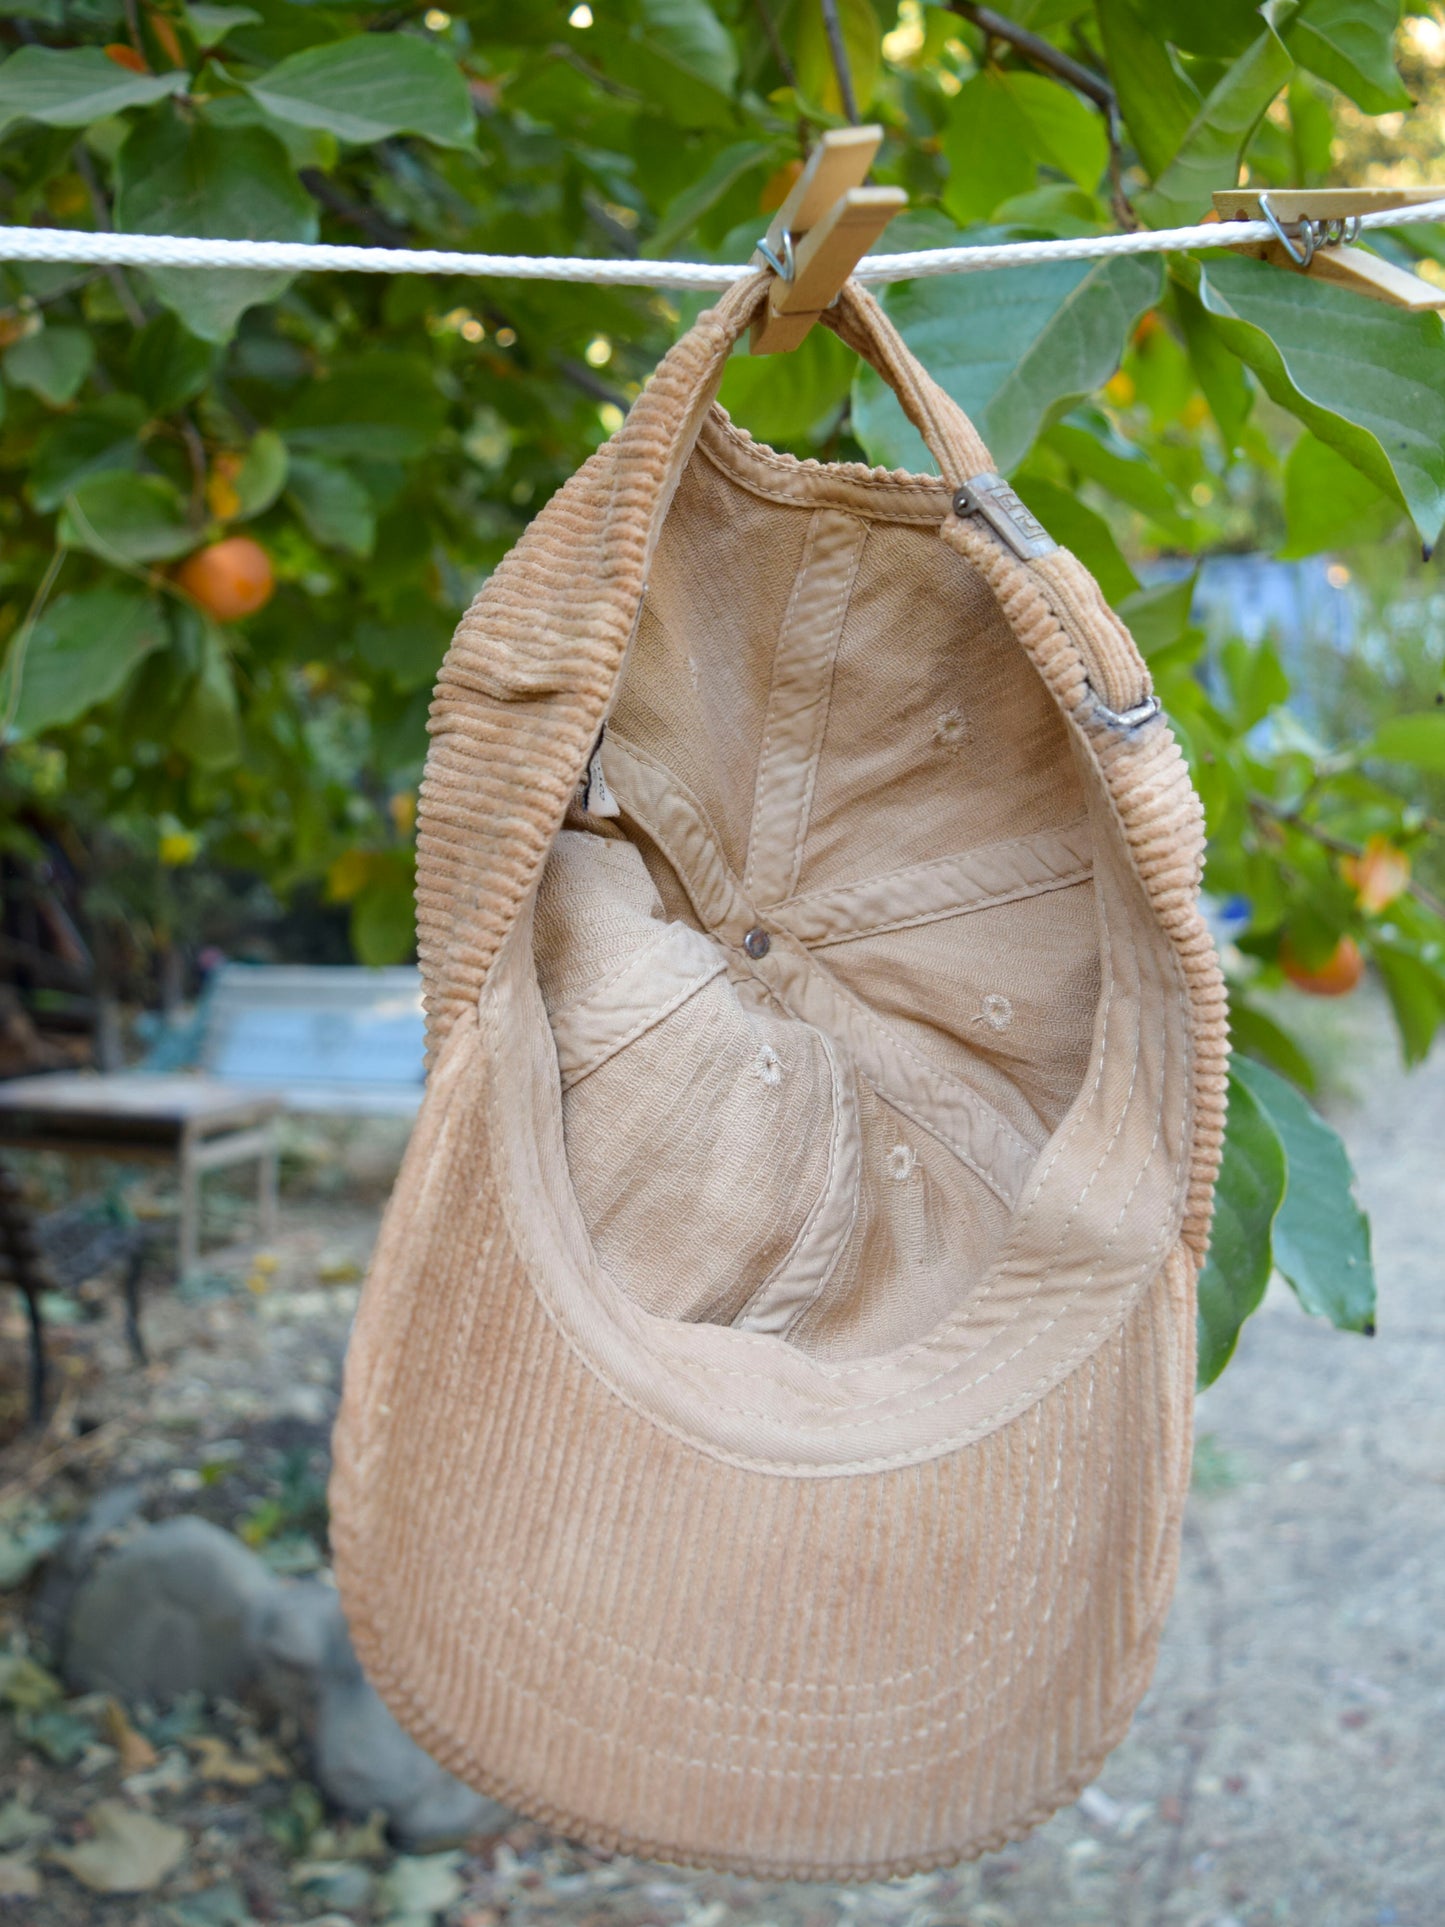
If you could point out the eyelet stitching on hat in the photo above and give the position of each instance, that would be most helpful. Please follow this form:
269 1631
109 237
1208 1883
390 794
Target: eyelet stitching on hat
1149 1274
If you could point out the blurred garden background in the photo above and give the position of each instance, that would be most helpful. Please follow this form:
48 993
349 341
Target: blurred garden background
241 515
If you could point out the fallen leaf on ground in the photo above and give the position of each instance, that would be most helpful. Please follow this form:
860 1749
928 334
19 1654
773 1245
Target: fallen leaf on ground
62 1736
135 1750
338 1271
129 1853
222 1906
224 1766
417 1886
20 1824
172 1775
27 1534
18 1879
25 1684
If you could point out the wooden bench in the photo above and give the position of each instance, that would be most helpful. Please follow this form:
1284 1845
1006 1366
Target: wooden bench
268 1038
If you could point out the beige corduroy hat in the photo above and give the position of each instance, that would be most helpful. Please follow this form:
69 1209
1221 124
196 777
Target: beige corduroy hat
768 1416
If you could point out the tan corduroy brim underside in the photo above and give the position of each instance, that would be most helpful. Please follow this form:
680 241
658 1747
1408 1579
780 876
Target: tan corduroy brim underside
784 1595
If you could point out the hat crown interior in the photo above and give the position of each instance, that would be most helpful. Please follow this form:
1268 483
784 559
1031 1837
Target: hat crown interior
824 986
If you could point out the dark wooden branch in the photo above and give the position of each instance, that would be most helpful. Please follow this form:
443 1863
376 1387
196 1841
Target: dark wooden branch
1040 52
373 224
837 47
1264 810
1084 80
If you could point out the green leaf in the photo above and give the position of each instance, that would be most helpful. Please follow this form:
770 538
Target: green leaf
1014 348
382 406
383 917
409 651
370 86
813 57
1367 379
1156 100
1067 133
686 209
986 144
1214 141
207 728
262 475
1350 43
81 651
1157 617
210 25
1222 380
169 366
1321 1237
1327 501
1081 530
692 36
1222 29
1001 126
103 436
131 518
51 363
782 398
1417 740
1252 1177
1417 998
333 504
1126 472
236 182
75 87
1250 1030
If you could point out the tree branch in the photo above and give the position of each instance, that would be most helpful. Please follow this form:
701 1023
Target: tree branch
1266 811
780 52
1052 60
1038 50
837 47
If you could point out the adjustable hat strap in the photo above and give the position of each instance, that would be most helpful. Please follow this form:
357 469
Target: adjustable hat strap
1111 663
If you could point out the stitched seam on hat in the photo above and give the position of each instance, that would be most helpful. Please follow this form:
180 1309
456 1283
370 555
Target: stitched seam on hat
817 477
993 1119
788 665
1080 1350
649 1020
604 983
791 1467
1035 846
837 616
1022 893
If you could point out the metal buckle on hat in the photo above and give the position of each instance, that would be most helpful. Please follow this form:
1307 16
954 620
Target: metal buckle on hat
1127 719
990 496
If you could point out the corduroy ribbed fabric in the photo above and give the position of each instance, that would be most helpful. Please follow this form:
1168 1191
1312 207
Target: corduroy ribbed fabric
768 1417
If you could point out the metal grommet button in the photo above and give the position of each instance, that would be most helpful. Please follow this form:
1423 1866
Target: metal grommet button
757 943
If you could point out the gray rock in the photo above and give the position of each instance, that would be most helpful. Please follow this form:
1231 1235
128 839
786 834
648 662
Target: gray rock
361 1757
111 1512
168 1614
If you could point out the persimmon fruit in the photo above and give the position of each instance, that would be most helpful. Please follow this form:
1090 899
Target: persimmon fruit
1337 976
230 579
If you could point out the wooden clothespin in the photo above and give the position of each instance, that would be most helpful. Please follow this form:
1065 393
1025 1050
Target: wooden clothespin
820 233
1315 231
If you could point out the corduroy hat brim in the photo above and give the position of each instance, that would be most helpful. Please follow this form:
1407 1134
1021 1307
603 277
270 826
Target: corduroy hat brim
688 1589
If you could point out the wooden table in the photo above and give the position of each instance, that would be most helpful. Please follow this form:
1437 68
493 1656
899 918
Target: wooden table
202 1123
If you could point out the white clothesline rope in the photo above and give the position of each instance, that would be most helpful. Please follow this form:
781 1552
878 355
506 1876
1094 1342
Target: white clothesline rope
297 257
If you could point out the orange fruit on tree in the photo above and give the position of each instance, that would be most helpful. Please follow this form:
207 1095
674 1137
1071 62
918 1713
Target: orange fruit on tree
1380 874
1337 976
230 579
